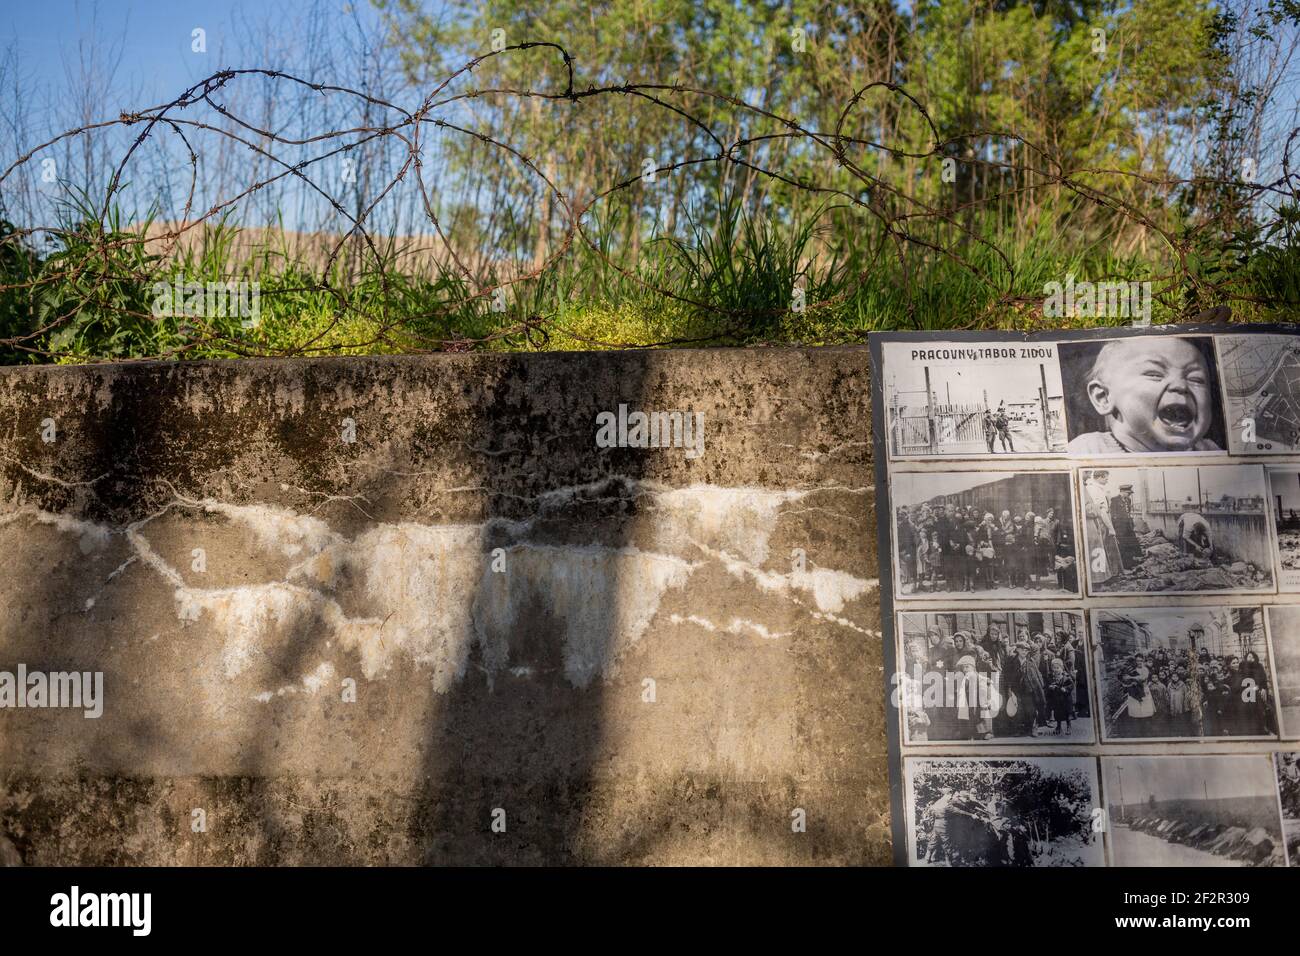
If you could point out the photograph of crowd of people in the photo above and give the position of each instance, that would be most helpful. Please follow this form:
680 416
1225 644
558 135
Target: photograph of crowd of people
1288 791
1187 810
1261 384
995 677
1033 811
994 534
1142 395
1176 530
950 399
1184 673
1284 629
1284 498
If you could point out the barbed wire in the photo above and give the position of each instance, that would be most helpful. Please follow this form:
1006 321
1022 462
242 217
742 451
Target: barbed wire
895 210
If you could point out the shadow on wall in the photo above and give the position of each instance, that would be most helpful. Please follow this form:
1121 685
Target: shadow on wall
69 477
510 762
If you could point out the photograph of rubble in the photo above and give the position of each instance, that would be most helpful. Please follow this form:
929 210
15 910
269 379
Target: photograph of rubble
1284 629
1193 811
1143 395
955 399
1179 530
1005 812
1284 500
1261 384
991 677
984 534
1288 792
1184 673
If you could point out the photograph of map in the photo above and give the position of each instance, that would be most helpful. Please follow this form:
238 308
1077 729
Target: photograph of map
1261 384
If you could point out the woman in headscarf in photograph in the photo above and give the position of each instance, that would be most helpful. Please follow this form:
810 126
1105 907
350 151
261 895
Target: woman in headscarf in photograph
939 652
940 661
1006 548
960 646
1101 530
977 701
1138 711
1248 701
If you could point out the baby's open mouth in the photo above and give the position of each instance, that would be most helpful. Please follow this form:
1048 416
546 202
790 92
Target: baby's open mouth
1177 413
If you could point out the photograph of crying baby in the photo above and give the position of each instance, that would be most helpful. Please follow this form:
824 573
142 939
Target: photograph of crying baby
1147 395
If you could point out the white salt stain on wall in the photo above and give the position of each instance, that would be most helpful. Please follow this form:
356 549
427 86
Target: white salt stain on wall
90 536
830 589
417 581
311 684
737 625
276 528
603 598
428 594
734 519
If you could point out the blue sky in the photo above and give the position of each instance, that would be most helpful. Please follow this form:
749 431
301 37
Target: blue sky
154 37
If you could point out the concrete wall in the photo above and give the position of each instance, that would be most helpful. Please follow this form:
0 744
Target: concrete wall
323 564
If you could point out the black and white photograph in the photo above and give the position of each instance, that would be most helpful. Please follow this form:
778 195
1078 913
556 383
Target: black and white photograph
1184 673
1288 792
984 534
1284 631
1179 530
965 400
994 677
1261 388
1284 500
1143 395
1028 811
1187 810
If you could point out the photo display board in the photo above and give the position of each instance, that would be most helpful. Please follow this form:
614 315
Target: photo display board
1090 579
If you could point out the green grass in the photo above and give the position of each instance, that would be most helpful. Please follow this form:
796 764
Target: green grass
727 279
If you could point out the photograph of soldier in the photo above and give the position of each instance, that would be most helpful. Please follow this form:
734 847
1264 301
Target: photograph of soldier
1121 516
949 399
1021 812
1176 530
1184 673
990 534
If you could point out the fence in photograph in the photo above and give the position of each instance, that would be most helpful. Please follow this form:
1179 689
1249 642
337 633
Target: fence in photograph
1241 534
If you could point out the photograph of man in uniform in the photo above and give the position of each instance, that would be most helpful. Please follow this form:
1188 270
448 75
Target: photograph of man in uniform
1121 517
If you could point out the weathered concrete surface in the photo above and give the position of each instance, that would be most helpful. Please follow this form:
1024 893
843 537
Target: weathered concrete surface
329 562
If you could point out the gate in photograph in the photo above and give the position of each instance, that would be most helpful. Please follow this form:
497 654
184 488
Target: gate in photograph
947 430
